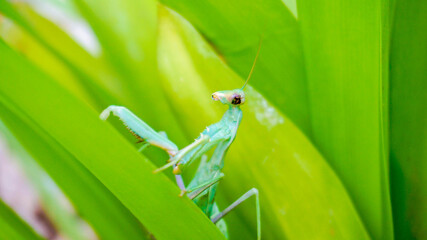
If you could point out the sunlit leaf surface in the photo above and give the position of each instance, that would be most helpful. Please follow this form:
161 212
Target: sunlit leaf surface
345 52
236 27
314 137
408 113
153 199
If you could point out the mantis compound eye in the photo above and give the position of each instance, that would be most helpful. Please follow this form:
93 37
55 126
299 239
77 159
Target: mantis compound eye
237 99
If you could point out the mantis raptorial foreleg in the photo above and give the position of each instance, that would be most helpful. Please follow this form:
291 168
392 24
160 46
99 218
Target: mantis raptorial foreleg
146 144
215 139
145 132
193 147
141 129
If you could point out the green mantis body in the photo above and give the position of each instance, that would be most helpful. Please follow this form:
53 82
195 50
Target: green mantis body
202 188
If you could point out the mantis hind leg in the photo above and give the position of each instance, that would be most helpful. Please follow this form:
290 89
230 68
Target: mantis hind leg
253 192
221 224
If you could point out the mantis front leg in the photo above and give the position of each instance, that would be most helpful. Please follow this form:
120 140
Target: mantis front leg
144 132
140 128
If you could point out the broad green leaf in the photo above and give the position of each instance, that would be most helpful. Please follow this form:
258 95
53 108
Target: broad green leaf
99 87
61 216
408 115
85 68
345 47
127 31
22 42
63 46
76 128
235 28
65 61
89 195
12 227
301 197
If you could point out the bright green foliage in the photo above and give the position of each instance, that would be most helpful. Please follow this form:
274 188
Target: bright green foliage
62 217
12 227
84 190
408 113
343 47
125 179
129 44
324 65
50 46
235 28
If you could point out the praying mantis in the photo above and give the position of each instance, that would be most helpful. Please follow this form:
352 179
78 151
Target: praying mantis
202 188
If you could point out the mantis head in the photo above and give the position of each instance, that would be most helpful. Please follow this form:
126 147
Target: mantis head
236 97
232 98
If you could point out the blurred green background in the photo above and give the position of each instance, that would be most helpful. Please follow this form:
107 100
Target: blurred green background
334 132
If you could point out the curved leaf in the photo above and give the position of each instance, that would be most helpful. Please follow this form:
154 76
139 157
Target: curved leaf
235 28
87 77
22 42
408 115
90 197
345 45
127 31
52 199
12 227
153 199
83 66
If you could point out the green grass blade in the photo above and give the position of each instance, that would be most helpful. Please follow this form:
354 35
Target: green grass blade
13 227
37 39
345 46
60 43
65 50
408 115
64 60
62 217
153 199
235 28
22 42
89 196
301 197
130 48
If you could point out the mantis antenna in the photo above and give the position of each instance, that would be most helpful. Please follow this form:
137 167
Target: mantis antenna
253 65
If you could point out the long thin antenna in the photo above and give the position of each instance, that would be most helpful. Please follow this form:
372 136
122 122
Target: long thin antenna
253 65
